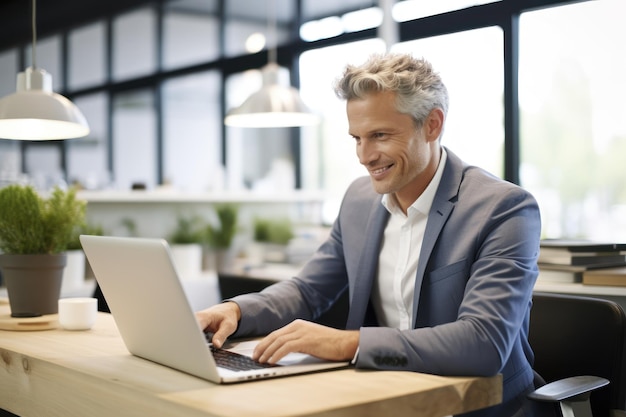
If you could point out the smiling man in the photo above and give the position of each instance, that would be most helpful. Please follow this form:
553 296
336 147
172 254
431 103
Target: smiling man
438 257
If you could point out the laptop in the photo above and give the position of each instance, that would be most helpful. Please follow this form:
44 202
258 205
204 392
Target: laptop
139 282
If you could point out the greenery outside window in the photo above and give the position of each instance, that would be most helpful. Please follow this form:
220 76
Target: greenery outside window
573 124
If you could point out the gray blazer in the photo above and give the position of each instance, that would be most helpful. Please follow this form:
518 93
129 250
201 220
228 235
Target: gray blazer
474 283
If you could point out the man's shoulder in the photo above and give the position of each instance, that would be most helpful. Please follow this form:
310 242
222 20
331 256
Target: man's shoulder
480 178
460 174
363 184
361 191
360 186
469 182
480 187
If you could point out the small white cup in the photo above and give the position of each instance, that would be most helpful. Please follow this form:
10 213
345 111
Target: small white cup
77 313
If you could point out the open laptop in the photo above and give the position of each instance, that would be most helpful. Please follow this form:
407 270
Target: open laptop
147 301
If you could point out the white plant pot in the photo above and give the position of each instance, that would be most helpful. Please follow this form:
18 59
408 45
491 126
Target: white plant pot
187 260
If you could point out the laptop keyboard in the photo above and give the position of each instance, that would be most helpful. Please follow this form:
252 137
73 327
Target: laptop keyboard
235 361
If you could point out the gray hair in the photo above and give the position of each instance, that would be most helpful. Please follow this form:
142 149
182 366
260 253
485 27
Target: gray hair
418 87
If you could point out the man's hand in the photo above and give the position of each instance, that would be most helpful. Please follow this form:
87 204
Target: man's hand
221 320
306 337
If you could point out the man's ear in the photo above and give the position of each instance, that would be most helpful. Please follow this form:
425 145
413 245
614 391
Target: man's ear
434 124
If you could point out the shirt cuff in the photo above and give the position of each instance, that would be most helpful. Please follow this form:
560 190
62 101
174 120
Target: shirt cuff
356 356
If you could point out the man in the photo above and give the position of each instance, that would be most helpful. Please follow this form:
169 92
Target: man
439 257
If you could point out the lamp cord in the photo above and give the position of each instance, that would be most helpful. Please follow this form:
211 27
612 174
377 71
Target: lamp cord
272 22
34 28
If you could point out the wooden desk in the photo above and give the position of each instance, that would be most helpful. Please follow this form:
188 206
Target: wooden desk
64 373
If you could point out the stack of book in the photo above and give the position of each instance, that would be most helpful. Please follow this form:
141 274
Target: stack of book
591 263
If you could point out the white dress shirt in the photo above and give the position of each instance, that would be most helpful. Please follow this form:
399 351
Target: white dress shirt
392 295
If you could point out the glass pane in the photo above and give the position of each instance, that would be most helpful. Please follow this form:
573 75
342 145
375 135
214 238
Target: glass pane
87 158
316 9
10 163
362 19
192 125
10 154
245 18
191 33
329 160
328 27
43 162
258 159
134 140
8 72
573 124
415 9
87 56
134 44
48 57
470 64
321 29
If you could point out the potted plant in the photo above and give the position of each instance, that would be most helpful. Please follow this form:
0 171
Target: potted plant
186 246
271 237
220 237
34 234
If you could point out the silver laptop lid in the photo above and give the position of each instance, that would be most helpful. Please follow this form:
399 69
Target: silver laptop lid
148 303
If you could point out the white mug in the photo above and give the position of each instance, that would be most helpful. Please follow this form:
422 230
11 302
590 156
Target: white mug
77 313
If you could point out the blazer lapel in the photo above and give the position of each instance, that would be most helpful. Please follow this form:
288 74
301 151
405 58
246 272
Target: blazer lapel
368 265
436 220
442 207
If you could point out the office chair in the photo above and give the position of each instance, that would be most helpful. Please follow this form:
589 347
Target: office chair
580 350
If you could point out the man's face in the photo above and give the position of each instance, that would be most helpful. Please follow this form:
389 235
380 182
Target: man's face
399 157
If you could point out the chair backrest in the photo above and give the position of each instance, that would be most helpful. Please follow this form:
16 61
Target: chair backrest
576 335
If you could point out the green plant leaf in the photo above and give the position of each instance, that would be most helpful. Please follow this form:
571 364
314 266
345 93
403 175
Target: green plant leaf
30 223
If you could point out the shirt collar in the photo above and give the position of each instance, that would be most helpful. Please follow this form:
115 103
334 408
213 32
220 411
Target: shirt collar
424 201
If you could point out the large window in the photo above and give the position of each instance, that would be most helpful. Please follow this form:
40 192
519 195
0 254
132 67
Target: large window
135 150
573 132
155 82
329 158
268 18
8 70
406 10
135 44
470 64
43 162
258 159
87 56
192 128
88 158
190 33
10 167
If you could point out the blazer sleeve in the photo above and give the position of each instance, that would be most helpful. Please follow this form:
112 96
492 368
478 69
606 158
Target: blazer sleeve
322 280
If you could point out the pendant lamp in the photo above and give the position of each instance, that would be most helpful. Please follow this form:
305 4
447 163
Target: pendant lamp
34 111
274 105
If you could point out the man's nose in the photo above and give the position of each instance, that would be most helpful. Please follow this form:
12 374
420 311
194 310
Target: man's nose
366 152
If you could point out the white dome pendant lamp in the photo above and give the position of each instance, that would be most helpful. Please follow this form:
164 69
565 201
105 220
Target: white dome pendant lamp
34 111
274 105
